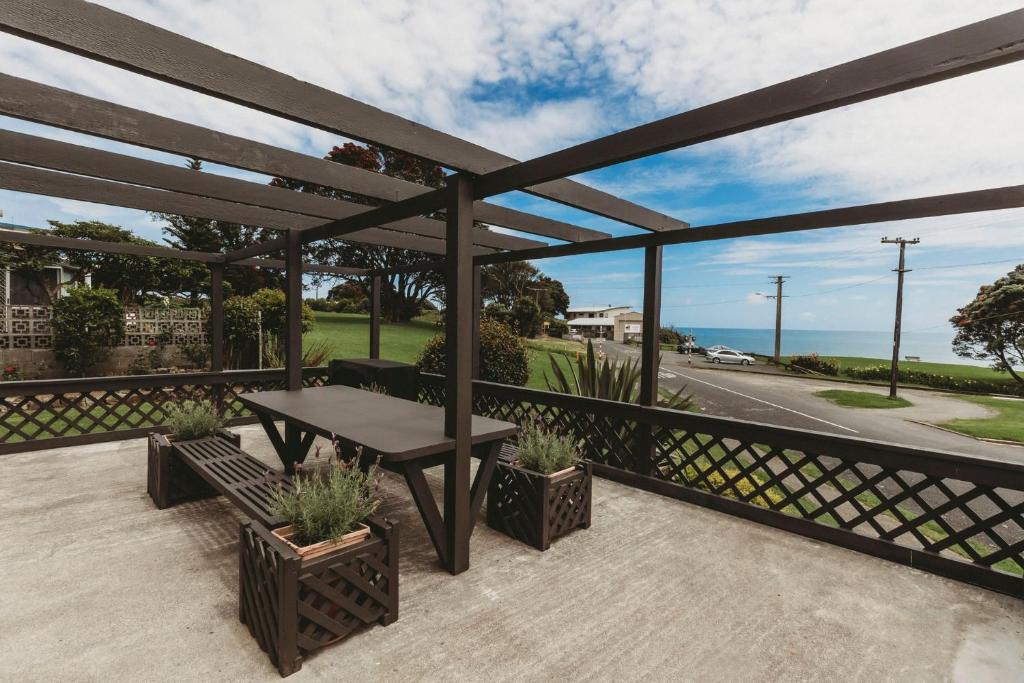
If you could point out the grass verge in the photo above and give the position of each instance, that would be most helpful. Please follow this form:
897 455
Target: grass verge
1006 425
862 399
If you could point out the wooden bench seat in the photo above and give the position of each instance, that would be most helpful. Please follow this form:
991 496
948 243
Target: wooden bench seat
212 466
239 477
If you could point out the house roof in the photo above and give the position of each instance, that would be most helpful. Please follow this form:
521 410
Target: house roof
593 309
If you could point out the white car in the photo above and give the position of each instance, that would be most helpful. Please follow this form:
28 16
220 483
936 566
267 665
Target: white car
729 356
720 347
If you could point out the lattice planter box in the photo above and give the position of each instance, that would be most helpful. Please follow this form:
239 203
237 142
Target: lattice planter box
294 605
169 481
536 508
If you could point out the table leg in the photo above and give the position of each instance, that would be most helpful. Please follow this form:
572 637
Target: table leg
488 454
424 499
292 449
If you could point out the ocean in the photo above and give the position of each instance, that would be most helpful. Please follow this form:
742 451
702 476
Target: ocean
935 347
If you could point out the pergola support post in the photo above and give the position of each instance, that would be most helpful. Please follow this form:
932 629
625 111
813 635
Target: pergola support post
216 323
477 305
650 353
458 412
375 285
293 312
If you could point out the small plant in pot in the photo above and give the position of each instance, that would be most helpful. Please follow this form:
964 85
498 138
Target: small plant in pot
168 481
326 507
545 492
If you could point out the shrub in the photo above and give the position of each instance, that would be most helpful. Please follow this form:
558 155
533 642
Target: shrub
193 419
324 506
545 451
246 317
313 354
527 316
558 328
11 373
87 323
666 335
322 305
271 303
196 354
929 379
502 355
815 363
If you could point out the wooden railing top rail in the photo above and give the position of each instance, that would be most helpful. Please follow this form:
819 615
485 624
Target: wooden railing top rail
83 384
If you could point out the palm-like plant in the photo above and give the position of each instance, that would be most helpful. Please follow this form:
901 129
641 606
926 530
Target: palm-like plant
605 379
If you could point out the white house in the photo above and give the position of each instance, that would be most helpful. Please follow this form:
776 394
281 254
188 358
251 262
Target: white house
600 322
20 291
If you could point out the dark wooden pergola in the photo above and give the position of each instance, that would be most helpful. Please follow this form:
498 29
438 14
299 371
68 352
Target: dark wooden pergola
454 245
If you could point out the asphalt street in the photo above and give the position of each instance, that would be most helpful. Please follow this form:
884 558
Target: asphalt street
789 401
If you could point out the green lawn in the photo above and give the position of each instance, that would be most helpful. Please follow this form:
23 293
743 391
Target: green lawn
1008 425
862 399
349 336
977 372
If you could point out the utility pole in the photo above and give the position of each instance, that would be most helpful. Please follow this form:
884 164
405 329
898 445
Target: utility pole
895 372
778 280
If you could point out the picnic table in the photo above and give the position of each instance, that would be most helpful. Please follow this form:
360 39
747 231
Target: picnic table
407 437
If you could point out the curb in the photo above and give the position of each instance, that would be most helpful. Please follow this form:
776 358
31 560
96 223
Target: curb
1003 442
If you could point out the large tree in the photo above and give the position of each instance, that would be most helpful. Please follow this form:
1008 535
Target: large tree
404 294
204 234
991 327
507 283
132 277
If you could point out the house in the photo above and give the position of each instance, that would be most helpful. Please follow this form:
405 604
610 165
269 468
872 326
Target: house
18 290
618 323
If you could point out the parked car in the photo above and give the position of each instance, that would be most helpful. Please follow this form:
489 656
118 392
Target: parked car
721 347
729 356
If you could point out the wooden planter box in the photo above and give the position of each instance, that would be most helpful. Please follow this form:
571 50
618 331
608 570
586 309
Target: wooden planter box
169 481
294 605
537 508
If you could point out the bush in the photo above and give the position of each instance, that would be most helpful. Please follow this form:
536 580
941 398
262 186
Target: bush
271 303
245 317
815 363
928 379
11 374
502 355
325 506
196 354
666 335
193 419
558 328
322 305
527 316
545 451
87 323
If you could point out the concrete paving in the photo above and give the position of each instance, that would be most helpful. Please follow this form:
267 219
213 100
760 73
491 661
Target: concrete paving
98 585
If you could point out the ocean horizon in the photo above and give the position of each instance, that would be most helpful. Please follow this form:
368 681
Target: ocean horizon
936 347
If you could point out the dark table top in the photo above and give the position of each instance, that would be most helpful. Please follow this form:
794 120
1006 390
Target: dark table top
373 363
395 428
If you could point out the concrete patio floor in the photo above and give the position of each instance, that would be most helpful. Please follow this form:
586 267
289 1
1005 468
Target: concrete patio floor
97 584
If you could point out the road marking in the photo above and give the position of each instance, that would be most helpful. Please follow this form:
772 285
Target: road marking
665 374
773 405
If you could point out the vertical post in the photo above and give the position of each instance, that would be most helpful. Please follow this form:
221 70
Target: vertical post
650 355
779 279
477 305
894 372
217 330
293 312
458 412
375 284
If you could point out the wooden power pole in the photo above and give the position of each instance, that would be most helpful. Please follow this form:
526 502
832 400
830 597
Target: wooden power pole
895 371
778 280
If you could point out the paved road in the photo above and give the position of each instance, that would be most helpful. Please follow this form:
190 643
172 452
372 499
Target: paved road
790 401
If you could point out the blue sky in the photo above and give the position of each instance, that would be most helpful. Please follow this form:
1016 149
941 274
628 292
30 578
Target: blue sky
528 78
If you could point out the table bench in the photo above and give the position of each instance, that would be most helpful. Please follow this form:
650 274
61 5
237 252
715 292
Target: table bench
291 605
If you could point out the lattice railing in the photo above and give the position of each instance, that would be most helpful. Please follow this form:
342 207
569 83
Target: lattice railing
52 413
955 515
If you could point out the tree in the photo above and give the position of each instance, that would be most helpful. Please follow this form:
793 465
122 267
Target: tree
527 316
991 327
404 295
132 277
207 235
507 283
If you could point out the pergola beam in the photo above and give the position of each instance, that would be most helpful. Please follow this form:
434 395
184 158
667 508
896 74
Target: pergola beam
113 38
42 239
54 184
978 46
27 149
1011 197
30 101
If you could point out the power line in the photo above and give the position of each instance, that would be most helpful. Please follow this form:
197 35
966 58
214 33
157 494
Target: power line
987 317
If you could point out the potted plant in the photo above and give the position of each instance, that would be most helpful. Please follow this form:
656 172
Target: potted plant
325 507
542 494
332 569
169 482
